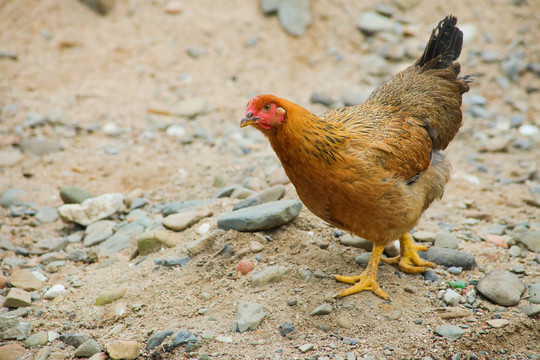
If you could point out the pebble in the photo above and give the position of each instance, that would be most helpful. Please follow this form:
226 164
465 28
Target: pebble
424 236
109 296
11 352
25 279
38 339
242 193
93 209
204 242
278 177
193 107
286 328
531 239
321 98
271 274
446 240
54 292
501 287
363 259
87 349
356 241
18 298
10 158
514 251
371 22
153 240
306 347
498 323
98 232
249 316
455 270
123 349
449 332
530 310
208 335
74 194
253 200
449 257
244 266
270 7
323 309
74 339
294 16
534 293
182 221
37 146
14 197
183 206
344 322
120 240
273 193
354 95
43 353
452 298
261 217
49 245
173 262
14 328
450 312
47 214
173 7
186 338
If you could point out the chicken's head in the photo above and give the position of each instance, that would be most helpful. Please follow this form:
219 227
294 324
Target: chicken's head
264 112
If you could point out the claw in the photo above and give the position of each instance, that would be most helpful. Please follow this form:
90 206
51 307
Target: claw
409 261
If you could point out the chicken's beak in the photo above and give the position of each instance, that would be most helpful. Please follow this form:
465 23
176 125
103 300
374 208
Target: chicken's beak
248 120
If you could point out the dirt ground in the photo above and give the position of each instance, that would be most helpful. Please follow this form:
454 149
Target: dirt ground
118 68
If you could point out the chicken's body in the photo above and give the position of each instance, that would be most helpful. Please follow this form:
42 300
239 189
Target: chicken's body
373 169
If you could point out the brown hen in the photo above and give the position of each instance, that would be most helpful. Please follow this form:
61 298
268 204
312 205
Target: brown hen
372 169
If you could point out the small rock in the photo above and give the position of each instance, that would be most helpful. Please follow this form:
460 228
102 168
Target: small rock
11 352
47 215
271 274
186 338
74 339
250 201
196 52
371 23
449 332
14 328
173 7
363 259
38 339
93 209
10 158
153 240
278 177
245 266
87 349
173 262
25 279
54 292
14 197
344 322
498 323
534 293
424 236
356 241
120 240
98 232
453 312
273 193
204 242
501 287
451 297
248 317
109 296
531 239
286 328
74 194
354 95
49 245
183 206
306 347
322 98
270 7
514 251
446 240
323 309
208 335
18 298
43 353
123 349
193 107
530 310
294 15
182 221
38 146
449 257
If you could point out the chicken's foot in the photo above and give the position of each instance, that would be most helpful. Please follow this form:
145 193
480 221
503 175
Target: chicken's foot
409 261
367 280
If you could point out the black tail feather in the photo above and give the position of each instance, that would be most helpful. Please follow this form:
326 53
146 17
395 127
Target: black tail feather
444 45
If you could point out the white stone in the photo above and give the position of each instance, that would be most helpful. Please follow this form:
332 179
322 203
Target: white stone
54 291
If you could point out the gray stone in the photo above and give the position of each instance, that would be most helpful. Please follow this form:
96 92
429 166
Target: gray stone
38 339
424 236
196 51
183 206
14 328
451 297
173 262
286 328
193 107
306 347
5 244
120 240
371 22
295 16
98 232
34 119
17 298
374 64
531 239
449 257
74 339
10 158
250 201
274 193
40 146
14 197
74 194
271 274
530 310
321 98
261 217
446 240
183 220
362 259
87 349
49 245
226 191
501 287
354 95
356 241
323 309
270 7
47 214
157 338
514 251
449 332
92 210
248 317
534 293
204 242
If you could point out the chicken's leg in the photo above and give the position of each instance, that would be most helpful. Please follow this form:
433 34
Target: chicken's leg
367 280
409 261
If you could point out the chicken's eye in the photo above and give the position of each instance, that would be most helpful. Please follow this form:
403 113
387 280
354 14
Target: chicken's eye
267 107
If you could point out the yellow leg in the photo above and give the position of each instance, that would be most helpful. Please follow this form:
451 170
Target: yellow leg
409 261
367 280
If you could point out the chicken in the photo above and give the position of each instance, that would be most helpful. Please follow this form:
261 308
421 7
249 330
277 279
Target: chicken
374 168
